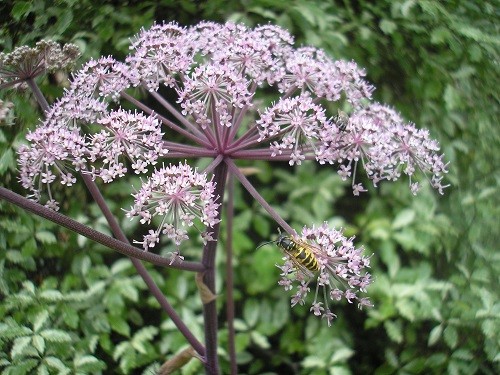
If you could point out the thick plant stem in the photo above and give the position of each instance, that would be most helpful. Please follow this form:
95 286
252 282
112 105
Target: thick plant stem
208 261
229 275
38 94
141 270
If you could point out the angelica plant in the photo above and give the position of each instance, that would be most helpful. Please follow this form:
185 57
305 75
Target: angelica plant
207 82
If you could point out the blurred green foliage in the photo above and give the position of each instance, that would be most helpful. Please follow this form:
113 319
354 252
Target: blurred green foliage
435 258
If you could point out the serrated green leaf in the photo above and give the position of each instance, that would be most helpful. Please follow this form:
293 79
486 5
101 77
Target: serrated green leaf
251 312
387 26
145 334
55 335
20 9
88 363
119 325
313 362
42 370
51 295
120 266
403 219
450 336
128 290
7 161
46 237
341 355
40 320
260 340
39 343
120 349
19 346
463 354
56 363
435 335
394 331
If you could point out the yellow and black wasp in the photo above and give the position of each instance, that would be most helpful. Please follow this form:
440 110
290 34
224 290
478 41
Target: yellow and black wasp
299 252
341 120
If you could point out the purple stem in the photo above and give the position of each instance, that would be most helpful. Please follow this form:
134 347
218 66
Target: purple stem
244 181
208 261
167 122
38 94
191 151
94 235
179 116
229 275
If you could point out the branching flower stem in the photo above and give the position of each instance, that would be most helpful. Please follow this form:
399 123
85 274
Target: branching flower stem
244 181
92 234
170 124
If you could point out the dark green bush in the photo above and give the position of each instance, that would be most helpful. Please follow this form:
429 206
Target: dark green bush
435 258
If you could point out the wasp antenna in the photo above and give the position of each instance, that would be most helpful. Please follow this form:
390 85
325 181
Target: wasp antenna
265 243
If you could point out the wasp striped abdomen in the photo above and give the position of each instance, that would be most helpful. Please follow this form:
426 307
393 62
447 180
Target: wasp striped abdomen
300 252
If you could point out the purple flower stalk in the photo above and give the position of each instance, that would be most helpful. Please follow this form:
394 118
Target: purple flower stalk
207 83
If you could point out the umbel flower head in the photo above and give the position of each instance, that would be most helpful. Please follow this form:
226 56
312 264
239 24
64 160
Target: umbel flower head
208 83
26 62
178 195
325 257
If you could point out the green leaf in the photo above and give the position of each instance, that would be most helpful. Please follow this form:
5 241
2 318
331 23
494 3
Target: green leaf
251 312
435 335
55 335
120 266
403 219
39 343
387 26
450 336
42 370
7 161
313 362
306 12
119 325
463 354
341 355
56 363
20 344
64 20
40 320
20 9
46 237
260 340
51 295
88 363
394 331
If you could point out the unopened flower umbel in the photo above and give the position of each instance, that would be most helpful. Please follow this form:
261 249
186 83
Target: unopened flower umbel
207 84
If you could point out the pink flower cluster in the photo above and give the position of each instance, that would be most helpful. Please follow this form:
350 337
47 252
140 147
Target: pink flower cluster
178 195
